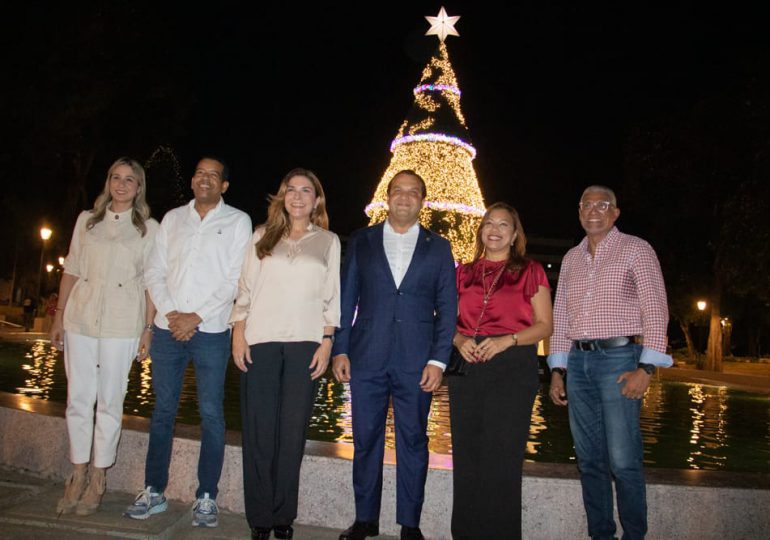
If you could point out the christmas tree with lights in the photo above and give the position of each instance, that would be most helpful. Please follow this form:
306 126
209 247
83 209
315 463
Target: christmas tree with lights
434 142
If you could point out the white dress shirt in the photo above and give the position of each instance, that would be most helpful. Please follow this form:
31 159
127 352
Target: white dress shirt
399 249
195 264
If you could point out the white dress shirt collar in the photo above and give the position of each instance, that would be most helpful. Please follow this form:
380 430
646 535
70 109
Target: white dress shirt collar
212 212
399 248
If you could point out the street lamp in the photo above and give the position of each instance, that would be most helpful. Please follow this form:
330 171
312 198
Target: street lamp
701 305
61 261
45 234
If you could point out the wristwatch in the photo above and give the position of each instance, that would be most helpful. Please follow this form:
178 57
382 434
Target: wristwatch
649 369
329 337
561 371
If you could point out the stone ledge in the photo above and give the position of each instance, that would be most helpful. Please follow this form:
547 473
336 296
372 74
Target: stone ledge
688 504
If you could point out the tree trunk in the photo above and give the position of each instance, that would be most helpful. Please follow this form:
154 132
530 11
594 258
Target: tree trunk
685 327
714 349
727 338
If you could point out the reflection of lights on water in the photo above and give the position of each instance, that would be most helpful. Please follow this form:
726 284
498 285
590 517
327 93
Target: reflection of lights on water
683 424
144 391
537 425
40 370
708 432
438 423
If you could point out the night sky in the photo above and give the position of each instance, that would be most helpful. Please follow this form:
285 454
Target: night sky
550 93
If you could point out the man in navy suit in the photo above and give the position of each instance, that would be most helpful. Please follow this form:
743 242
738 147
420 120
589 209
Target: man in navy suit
401 277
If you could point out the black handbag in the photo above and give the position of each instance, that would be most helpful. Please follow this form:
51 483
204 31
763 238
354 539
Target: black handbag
457 364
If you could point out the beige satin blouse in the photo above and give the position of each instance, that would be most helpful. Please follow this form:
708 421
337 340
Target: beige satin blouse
292 294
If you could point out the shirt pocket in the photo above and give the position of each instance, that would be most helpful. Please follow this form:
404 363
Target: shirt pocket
123 308
83 304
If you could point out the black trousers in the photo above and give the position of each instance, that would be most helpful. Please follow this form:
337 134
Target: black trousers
277 397
490 411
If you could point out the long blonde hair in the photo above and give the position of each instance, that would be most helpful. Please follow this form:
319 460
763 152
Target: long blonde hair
141 210
278 224
517 255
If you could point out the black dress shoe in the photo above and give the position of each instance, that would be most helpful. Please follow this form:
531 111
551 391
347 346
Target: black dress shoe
260 533
360 530
283 532
411 533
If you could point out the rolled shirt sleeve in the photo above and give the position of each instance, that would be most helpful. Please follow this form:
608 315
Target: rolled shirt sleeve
652 298
73 259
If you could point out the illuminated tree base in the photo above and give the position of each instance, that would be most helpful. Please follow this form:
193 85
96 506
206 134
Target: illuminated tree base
454 204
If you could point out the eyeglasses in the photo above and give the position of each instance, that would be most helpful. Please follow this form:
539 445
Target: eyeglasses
601 206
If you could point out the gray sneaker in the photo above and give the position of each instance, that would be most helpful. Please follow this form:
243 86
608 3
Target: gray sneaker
205 512
146 504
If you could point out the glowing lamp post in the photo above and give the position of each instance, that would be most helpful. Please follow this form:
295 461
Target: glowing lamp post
45 234
701 305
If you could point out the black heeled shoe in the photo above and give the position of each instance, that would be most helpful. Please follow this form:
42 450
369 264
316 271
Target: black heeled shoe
283 532
260 533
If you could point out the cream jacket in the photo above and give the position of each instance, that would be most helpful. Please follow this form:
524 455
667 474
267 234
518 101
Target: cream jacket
107 301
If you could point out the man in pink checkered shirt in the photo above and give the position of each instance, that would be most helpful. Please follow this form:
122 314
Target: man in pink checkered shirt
610 320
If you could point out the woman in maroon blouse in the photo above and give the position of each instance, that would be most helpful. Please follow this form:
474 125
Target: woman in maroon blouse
505 309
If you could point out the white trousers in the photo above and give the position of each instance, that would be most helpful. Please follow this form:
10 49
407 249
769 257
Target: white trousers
97 374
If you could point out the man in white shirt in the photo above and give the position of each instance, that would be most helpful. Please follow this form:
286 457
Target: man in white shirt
192 276
401 279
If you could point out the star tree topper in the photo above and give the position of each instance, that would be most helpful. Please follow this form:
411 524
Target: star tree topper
442 25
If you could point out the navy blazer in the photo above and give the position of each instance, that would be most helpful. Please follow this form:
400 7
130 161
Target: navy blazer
404 326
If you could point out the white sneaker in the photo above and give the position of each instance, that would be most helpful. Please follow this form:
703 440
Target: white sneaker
205 512
146 504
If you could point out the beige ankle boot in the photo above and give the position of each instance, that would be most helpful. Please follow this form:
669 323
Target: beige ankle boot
92 497
73 489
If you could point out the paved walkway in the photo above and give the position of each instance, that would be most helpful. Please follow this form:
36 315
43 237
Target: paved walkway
746 376
28 503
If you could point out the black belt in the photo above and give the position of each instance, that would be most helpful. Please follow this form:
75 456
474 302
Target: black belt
599 344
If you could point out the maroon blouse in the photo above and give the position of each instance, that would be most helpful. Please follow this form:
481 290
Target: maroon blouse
509 309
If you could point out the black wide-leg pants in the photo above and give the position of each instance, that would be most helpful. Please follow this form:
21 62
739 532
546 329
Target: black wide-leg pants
490 411
277 397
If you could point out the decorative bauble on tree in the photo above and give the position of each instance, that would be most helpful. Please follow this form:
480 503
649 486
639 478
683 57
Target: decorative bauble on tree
434 142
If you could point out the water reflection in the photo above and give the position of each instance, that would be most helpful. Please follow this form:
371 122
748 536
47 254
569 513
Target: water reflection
707 436
684 425
40 379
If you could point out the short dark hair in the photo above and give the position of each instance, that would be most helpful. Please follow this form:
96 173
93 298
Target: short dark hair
410 172
225 166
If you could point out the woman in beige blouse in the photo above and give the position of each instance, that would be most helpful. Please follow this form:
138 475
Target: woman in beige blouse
102 323
284 319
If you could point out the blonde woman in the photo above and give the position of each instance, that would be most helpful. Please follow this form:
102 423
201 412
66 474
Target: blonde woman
103 322
287 309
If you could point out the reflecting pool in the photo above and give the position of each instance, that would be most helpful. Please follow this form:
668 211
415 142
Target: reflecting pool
685 425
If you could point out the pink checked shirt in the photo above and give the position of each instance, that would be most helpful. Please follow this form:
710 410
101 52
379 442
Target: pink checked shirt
617 292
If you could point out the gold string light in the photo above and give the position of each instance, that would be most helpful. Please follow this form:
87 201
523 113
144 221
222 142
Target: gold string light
454 204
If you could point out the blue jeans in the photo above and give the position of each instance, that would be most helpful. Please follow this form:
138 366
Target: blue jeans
608 441
209 353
